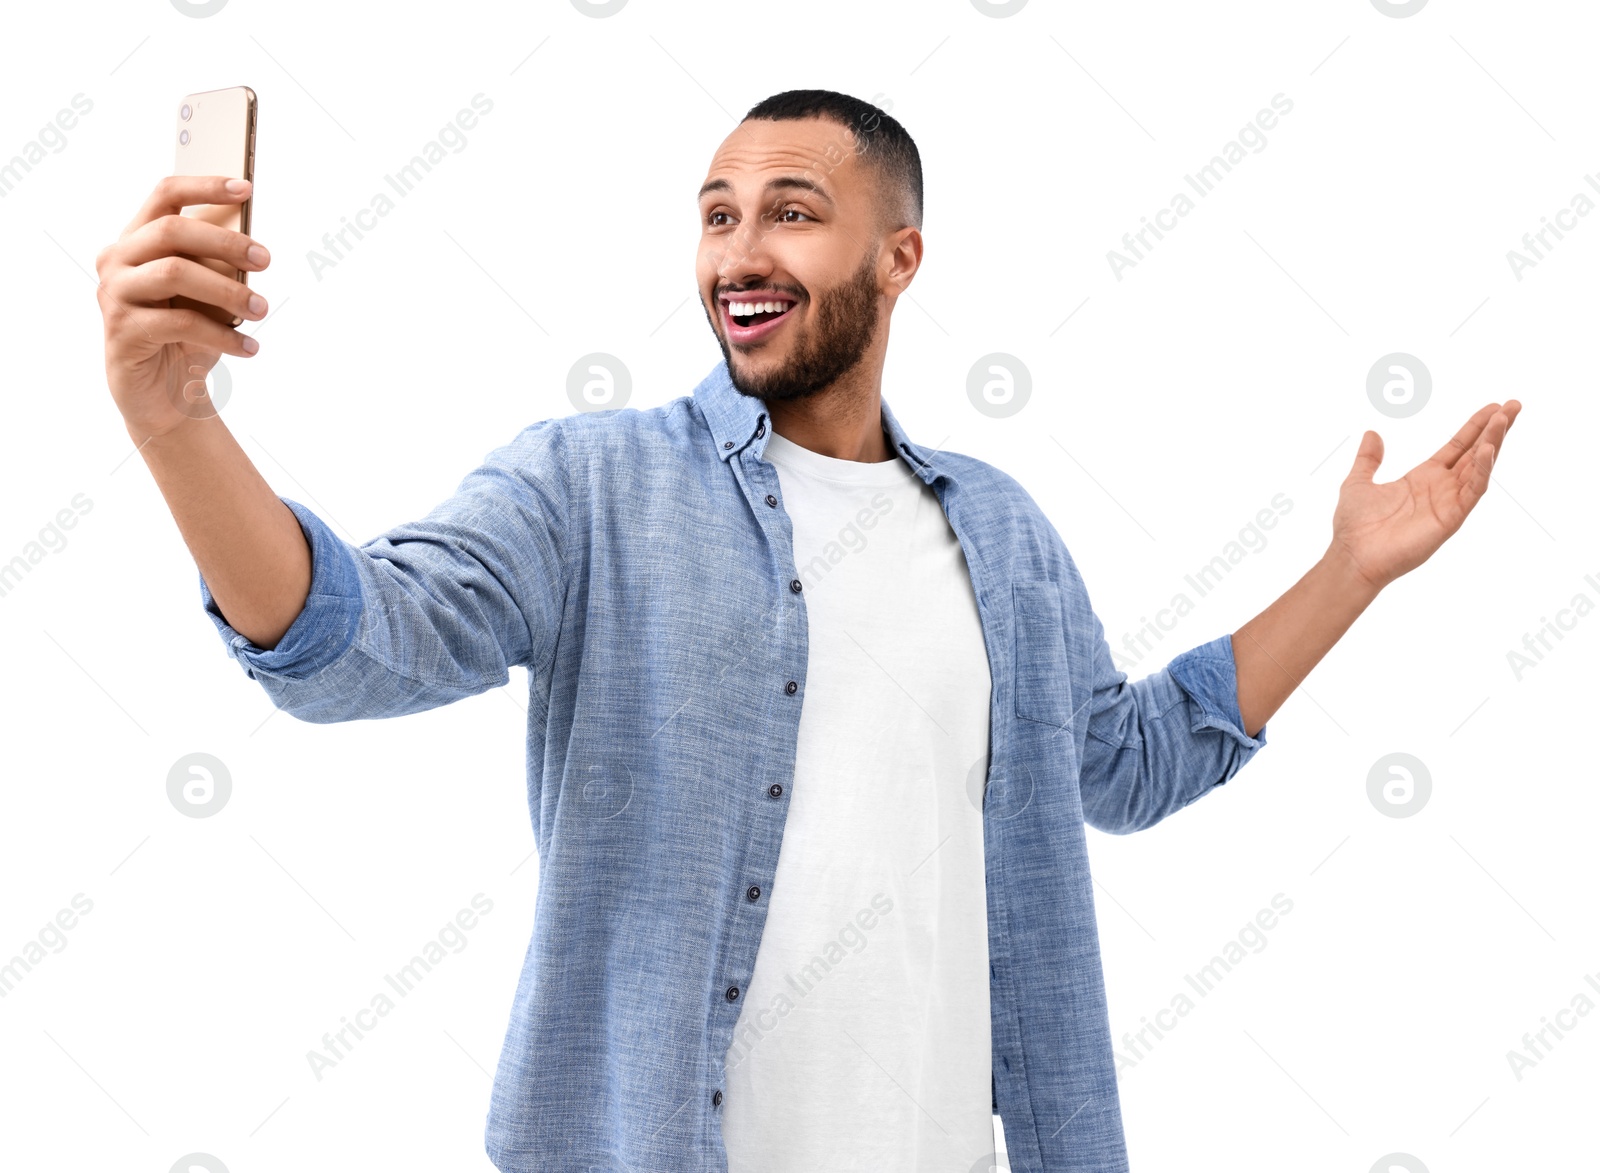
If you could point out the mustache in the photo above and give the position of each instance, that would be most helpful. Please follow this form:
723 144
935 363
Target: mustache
788 290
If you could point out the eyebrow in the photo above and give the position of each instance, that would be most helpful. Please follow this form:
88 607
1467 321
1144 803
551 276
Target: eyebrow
781 183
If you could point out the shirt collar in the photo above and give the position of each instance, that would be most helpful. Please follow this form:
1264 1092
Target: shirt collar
735 417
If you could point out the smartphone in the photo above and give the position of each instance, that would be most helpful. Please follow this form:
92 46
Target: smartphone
216 135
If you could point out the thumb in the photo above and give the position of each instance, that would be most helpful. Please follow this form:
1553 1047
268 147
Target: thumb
1368 457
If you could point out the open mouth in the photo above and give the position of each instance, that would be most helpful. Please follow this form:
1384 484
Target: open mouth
750 316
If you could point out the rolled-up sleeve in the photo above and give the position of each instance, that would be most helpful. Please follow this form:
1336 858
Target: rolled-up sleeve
431 611
326 625
1157 744
1209 675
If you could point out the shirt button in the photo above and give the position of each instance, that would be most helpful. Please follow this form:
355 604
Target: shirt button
733 992
772 501
794 585
727 444
753 892
776 790
761 430
791 688
716 1099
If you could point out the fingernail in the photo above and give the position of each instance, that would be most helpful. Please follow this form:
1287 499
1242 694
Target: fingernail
237 185
257 255
257 303
250 345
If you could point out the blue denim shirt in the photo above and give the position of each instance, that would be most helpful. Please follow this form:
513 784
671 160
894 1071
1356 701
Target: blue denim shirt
639 565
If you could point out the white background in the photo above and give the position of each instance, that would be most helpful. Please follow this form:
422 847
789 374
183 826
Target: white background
1228 366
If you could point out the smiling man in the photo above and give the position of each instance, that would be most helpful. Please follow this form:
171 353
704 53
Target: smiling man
811 220
818 714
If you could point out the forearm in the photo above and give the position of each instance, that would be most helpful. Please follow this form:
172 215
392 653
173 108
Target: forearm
1277 649
245 541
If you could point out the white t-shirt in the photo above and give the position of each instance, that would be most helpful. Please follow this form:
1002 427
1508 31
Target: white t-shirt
863 1042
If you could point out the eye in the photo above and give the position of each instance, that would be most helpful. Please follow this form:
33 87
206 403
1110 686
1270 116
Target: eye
712 219
786 212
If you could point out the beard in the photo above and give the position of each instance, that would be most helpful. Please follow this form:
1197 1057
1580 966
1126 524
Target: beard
826 349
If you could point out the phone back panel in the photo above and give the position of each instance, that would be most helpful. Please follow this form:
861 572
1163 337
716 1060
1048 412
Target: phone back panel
220 141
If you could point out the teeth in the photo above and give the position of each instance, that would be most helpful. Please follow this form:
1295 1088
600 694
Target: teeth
740 309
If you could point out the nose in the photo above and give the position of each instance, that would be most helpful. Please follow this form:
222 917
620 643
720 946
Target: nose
745 256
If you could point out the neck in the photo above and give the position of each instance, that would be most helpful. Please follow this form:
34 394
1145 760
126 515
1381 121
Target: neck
844 421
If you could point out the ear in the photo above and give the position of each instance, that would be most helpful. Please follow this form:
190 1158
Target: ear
903 251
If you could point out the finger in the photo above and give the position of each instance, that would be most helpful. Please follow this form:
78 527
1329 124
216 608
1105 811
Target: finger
1368 457
153 282
1476 468
176 192
161 326
193 237
1464 439
1474 475
1494 434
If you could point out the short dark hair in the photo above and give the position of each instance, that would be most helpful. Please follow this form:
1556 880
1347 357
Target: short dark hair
881 142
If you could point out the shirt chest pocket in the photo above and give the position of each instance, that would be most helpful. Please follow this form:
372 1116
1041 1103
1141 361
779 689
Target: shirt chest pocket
1042 683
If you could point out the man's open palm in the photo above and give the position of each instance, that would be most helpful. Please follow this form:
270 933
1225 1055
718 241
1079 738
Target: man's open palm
1389 529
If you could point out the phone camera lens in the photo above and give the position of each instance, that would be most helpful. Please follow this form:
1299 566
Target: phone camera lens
184 112
183 137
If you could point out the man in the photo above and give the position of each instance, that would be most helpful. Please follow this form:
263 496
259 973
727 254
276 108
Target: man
819 713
